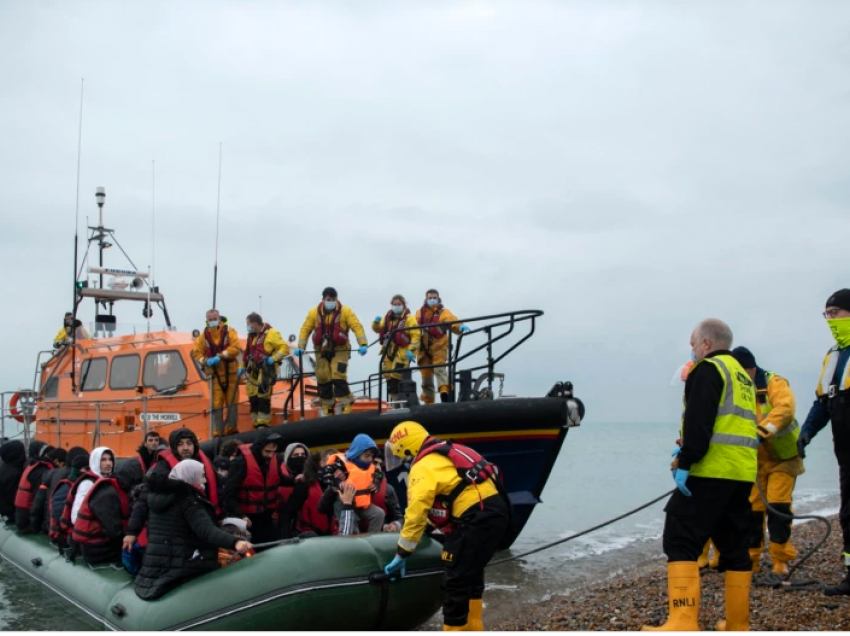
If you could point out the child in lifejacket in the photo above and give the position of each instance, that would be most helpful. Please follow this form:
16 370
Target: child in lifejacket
360 472
237 527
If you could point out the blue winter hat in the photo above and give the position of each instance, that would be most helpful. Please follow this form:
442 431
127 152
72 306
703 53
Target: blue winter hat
360 445
744 357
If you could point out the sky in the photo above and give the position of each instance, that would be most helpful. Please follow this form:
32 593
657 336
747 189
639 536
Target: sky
629 168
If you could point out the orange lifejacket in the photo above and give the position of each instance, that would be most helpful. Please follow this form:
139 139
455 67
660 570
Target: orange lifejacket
435 332
259 493
209 472
65 523
333 331
361 479
213 349
255 350
394 327
54 529
309 517
87 529
26 493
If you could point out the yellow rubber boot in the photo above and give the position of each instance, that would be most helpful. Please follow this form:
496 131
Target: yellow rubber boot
475 622
714 561
737 603
702 561
231 431
780 568
455 628
683 590
346 408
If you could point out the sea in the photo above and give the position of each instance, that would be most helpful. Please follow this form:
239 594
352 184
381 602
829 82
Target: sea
603 471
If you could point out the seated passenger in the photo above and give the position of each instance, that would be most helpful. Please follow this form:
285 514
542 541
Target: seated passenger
360 471
292 497
14 456
39 512
148 451
310 520
183 539
28 486
222 469
385 497
59 495
239 529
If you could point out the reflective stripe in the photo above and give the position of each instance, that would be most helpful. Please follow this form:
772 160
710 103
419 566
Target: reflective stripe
728 406
791 429
734 440
404 544
828 373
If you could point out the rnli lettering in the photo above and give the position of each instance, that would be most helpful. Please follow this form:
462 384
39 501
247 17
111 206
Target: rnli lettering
399 435
684 602
448 557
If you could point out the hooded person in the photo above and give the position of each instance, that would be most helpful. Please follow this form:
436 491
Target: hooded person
78 460
358 462
293 497
183 540
13 455
40 510
251 490
39 464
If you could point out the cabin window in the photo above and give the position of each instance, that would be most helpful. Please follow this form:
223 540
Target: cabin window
125 372
93 374
164 370
51 389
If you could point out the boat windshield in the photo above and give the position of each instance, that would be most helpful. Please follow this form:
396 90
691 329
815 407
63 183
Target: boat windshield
100 331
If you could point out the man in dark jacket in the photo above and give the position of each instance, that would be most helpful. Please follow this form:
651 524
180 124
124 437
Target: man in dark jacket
40 509
38 460
13 455
79 464
148 451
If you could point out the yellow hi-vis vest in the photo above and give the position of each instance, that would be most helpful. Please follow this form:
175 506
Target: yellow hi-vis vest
733 448
784 443
825 387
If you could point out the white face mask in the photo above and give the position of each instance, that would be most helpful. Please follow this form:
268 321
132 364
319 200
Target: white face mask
397 309
432 302
330 305
212 323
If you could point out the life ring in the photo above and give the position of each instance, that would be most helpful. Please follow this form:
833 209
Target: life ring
28 405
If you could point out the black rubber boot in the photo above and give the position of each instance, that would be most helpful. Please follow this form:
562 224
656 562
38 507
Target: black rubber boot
444 397
842 589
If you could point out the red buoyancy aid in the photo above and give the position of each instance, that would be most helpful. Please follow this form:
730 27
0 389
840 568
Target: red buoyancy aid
471 467
87 530
433 331
212 348
285 492
26 493
209 472
333 331
258 493
309 517
394 326
255 349
55 528
65 523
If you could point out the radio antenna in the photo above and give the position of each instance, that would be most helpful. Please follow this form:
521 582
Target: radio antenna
217 211
77 240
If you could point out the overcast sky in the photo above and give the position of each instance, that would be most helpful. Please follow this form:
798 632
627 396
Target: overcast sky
629 168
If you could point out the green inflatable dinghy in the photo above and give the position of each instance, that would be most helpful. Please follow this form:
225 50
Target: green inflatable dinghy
323 583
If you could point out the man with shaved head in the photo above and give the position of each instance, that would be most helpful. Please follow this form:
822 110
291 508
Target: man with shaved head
714 471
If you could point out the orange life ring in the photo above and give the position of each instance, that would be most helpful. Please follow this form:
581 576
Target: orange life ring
14 411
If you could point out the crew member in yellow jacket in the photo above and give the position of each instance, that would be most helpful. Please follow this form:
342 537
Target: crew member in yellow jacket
329 323
779 463
399 342
67 335
217 351
434 348
472 513
265 349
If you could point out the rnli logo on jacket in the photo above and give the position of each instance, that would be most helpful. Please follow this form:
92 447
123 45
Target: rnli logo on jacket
399 435
684 602
448 556
160 417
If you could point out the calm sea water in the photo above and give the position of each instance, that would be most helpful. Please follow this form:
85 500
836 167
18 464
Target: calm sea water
603 471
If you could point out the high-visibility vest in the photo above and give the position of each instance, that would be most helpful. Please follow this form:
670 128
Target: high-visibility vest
826 389
784 443
733 448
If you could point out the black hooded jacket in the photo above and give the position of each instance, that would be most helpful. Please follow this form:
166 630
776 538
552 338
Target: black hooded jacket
183 539
148 457
14 456
40 511
37 452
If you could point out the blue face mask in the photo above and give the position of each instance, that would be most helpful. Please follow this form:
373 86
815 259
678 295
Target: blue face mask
212 323
397 309
330 306
694 357
432 302
249 329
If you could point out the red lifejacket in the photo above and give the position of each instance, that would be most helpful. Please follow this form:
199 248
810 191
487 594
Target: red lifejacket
255 349
65 523
54 528
259 493
209 472
471 467
285 492
394 326
434 332
87 529
334 331
309 517
26 493
212 348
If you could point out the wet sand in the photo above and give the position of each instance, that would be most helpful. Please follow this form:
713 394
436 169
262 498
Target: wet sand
639 597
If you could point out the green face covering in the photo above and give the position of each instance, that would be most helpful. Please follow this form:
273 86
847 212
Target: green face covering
840 328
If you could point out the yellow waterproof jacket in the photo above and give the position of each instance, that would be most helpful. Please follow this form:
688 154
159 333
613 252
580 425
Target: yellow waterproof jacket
415 335
347 321
228 356
273 345
430 344
781 416
60 338
431 476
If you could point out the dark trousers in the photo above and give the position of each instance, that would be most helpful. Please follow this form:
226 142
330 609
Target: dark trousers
844 511
466 551
263 528
260 404
718 509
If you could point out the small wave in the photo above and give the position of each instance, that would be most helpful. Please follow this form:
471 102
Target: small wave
496 586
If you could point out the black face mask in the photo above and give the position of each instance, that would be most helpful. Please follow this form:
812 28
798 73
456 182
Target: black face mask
296 465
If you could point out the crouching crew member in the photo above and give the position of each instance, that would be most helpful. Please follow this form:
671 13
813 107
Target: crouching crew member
714 474
217 351
435 346
399 343
779 463
264 351
463 482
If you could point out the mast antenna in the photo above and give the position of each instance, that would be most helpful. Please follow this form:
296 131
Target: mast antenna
153 223
217 211
76 239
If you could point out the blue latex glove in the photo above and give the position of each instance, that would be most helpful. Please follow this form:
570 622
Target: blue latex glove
241 372
464 329
270 360
362 350
378 318
680 476
396 566
298 352
411 356
676 452
211 362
